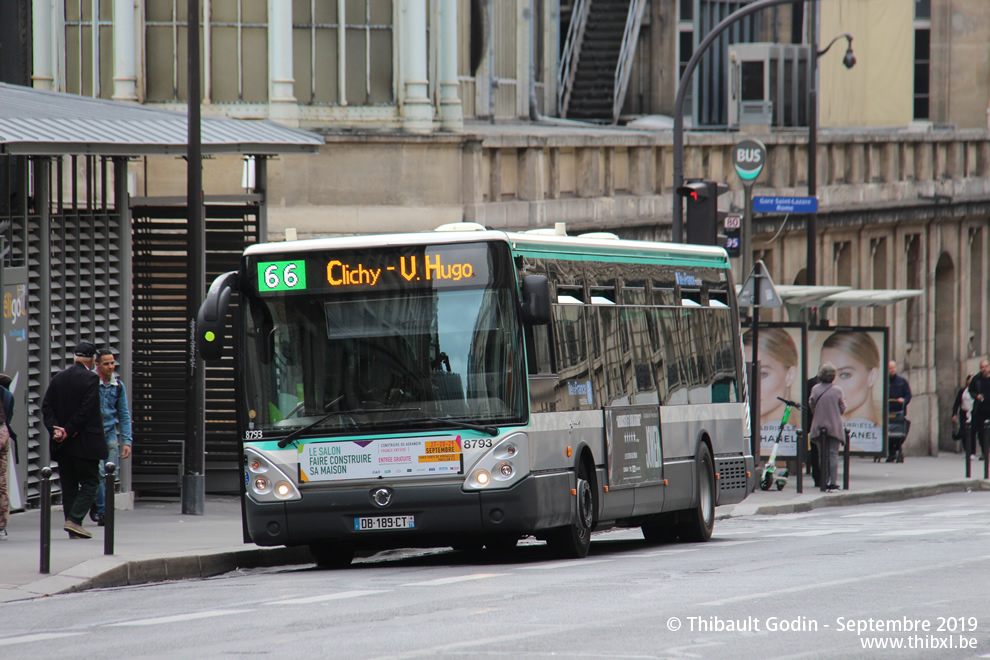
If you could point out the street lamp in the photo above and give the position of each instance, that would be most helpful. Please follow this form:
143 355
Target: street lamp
849 60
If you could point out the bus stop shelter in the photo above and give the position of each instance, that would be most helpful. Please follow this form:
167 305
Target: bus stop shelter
796 300
82 259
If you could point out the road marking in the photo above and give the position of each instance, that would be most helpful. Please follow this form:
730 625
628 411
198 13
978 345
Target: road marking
661 553
453 580
838 583
36 637
916 532
727 544
957 513
177 618
813 532
325 597
578 563
875 514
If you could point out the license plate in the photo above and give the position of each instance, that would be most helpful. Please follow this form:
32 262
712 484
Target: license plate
379 523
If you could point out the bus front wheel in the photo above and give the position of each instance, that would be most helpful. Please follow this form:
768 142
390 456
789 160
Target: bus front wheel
331 555
699 522
574 541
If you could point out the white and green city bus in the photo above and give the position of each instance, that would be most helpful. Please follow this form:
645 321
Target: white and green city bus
470 388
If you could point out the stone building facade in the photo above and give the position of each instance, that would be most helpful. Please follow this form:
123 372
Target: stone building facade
443 110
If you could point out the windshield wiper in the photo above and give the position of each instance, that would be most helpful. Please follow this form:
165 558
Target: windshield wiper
284 442
484 428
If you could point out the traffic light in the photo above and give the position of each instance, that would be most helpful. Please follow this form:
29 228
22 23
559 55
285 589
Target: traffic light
702 210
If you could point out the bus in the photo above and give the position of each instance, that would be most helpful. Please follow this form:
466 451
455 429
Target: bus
472 387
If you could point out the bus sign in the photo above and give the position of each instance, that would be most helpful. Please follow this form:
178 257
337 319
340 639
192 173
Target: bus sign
282 276
435 266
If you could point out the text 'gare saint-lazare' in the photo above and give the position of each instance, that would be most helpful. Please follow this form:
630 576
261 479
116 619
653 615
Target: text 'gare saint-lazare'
339 273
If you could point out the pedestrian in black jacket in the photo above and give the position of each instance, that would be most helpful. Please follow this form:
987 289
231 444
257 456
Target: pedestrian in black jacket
979 389
71 410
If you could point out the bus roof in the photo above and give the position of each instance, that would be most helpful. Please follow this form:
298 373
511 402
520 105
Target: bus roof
575 248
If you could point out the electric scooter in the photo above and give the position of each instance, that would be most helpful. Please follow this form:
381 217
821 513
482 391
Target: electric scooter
771 473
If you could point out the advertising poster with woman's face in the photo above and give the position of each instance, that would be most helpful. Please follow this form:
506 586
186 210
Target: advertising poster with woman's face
779 353
859 359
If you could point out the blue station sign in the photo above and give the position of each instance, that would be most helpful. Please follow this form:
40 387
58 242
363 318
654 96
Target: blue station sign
785 205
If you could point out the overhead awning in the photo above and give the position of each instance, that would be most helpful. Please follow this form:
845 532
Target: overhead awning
824 297
868 297
40 123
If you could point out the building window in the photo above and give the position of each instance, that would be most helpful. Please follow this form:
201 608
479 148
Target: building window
922 58
89 48
235 44
342 52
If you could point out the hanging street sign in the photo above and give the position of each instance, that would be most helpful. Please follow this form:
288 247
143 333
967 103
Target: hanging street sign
732 242
785 204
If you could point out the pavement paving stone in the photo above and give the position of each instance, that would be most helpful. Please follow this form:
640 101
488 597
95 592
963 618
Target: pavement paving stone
156 542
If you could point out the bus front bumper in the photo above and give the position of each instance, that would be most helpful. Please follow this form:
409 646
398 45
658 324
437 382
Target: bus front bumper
441 513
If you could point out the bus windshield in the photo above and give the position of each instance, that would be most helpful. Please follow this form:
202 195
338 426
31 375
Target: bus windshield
384 360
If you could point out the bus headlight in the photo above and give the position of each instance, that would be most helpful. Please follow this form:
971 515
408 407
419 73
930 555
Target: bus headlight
267 482
502 466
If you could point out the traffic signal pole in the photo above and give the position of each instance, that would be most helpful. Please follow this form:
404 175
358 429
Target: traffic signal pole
677 228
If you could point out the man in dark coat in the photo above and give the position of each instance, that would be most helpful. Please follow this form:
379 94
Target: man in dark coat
71 410
898 398
979 389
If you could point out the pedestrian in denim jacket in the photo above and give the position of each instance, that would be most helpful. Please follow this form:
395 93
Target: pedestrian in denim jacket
113 404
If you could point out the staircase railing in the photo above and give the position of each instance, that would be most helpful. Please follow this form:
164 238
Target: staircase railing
572 53
634 21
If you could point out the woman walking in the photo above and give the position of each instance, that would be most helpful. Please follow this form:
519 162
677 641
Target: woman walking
827 405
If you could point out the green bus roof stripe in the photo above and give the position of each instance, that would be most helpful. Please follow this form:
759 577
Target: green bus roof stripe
637 257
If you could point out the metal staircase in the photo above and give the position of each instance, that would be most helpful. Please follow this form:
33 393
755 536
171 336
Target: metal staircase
597 58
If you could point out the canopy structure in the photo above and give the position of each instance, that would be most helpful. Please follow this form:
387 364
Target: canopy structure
40 123
824 297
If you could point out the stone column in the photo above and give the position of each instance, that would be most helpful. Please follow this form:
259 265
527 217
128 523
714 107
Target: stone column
124 52
282 100
417 111
451 112
43 73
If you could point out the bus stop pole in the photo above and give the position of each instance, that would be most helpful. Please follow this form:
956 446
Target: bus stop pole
754 407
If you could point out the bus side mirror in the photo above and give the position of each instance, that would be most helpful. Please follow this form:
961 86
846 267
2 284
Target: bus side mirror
210 322
535 300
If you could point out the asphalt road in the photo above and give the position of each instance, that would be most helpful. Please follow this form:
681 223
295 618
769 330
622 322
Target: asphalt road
826 584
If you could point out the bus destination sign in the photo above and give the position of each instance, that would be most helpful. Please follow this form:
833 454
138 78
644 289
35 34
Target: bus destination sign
436 266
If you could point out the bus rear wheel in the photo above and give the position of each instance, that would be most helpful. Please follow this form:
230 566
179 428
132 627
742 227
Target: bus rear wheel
699 522
331 555
574 541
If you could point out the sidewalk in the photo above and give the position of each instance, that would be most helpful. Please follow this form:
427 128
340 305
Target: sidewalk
156 542
869 483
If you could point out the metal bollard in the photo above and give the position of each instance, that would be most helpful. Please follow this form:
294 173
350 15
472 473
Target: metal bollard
986 459
801 457
823 460
46 519
845 463
108 510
